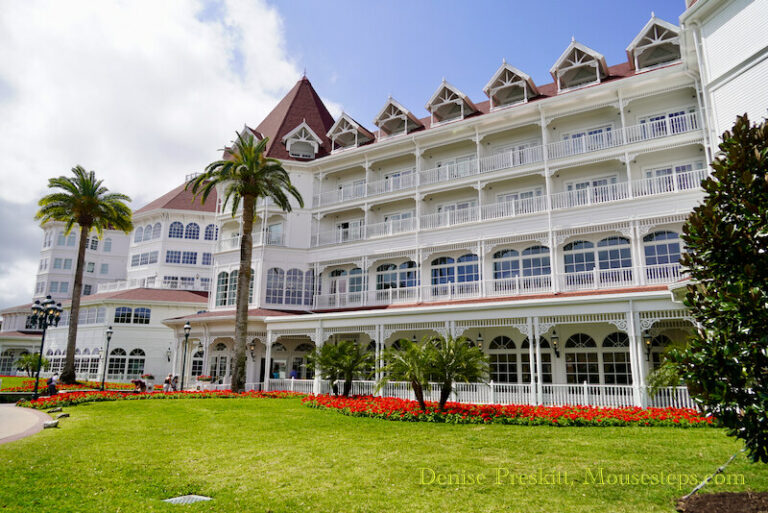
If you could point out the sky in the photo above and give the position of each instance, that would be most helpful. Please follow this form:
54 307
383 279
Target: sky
145 92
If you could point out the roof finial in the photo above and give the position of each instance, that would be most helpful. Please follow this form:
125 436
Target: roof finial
443 80
653 14
503 61
304 75
573 39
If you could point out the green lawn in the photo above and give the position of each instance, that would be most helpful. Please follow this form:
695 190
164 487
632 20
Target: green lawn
276 455
16 381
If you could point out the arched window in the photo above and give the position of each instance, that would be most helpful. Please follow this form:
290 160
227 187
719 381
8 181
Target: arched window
658 345
197 363
503 360
356 280
546 361
138 235
275 285
232 295
506 264
157 230
614 253
304 348
116 364
141 315
176 230
443 270
192 231
148 232
409 274
616 365
338 281
662 248
222 282
277 347
535 261
294 287
220 362
136 363
309 286
467 268
123 315
211 232
107 245
386 277
579 256
581 366
221 346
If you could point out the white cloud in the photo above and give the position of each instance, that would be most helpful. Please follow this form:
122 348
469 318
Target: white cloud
18 275
143 92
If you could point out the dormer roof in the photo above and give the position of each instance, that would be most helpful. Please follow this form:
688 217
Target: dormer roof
301 139
572 67
394 119
657 42
348 133
449 103
509 85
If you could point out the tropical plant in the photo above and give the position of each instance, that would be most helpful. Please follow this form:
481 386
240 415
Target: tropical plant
667 374
28 363
244 175
725 364
411 362
82 200
456 360
342 361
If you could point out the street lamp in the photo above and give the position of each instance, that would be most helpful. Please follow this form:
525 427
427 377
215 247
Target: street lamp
110 331
187 329
43 315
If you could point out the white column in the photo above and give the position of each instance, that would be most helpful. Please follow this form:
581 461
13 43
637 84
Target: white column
320 340
267 362
635 355
481 267
532 361
539 373
636 242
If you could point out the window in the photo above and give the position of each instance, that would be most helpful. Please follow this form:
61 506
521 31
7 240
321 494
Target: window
658 345
386 277
135 260
107 245
87 290
189 257
294 287
275 285
93 243
222 282
144 259
104 269
136 363
616 253
116 364
64 287
546 361
205 284
581 366
172 257
506 264
232 296
660 248
409 274
616 365
53 286
466 271
187 282
356 280
211 232
176 230
192 231
57 262
442 270
71 239
535 261
197 364
141 315
309 286
148 232
123 315
67 263
207 259
90 267
171 282
503 360
138 235
579 256
275 234
61 239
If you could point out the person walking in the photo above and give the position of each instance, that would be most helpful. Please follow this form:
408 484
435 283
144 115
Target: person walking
167 383
175 383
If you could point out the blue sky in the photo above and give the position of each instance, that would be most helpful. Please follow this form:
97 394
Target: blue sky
359 52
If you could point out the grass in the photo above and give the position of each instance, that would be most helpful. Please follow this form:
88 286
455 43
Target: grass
275 455
16 381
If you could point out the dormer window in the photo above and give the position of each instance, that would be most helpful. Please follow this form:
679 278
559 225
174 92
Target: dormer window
578 66
302 142
348 133
449 104
658 43
509 86
394 119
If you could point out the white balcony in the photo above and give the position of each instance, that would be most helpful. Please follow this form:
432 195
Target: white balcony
391 227
113 286
449 172
591 195
515 208
339 236
344 192
597 279
233 243
402 179
449 218
512 159
518 285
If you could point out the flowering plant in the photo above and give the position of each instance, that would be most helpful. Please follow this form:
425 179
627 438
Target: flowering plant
28 385
147 376
390 408
204 377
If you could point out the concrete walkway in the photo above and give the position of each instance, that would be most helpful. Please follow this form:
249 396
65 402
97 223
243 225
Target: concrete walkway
16 423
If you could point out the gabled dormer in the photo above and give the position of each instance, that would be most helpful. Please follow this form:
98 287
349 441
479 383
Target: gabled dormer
509 86
302 142
578 66
347 133
658 43
449 104
394 119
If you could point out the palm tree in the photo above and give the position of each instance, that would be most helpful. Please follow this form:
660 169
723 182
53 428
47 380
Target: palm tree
411 362
245 174
456 359
82 200
341 361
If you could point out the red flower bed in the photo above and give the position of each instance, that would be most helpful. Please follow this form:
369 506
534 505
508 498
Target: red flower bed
28 385
73 398
457 413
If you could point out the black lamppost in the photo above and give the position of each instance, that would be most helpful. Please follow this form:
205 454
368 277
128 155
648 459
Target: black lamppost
43 315
187 329
106 357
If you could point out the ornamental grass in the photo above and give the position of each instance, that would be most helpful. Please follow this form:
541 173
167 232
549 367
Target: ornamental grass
390 408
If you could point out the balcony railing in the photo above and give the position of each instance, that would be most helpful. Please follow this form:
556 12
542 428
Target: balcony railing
508 160
391 227
113 286
597 279
339 236
515 207
233 242
450 218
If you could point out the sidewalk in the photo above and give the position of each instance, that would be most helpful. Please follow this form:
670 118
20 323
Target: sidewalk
16 423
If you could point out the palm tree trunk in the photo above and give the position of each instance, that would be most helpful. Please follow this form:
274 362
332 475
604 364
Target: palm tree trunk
243 284
445 394
347 386
68 372
419 393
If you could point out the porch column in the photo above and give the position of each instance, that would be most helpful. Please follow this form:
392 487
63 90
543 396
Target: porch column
532 362
320 340
267 361
637 244
376 354
482 267
539 373
635 353
206 354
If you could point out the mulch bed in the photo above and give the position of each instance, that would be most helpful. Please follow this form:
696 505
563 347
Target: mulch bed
744 502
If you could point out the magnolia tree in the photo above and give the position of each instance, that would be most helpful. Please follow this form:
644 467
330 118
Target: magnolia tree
725 364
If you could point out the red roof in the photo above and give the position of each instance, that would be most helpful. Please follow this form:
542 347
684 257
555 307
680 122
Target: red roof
253 312
180 199
16 309
145 294
302 103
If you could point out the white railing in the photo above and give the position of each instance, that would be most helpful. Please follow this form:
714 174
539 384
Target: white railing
113 286
661 128
668 183
515 208
591 195
517 285
393 296
391 227
450 218
512 159
664 273
339 236
343 192
304 386
447 291
449 172
229 243
392 184
339 300
597 279
671 397
584 144
272 239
